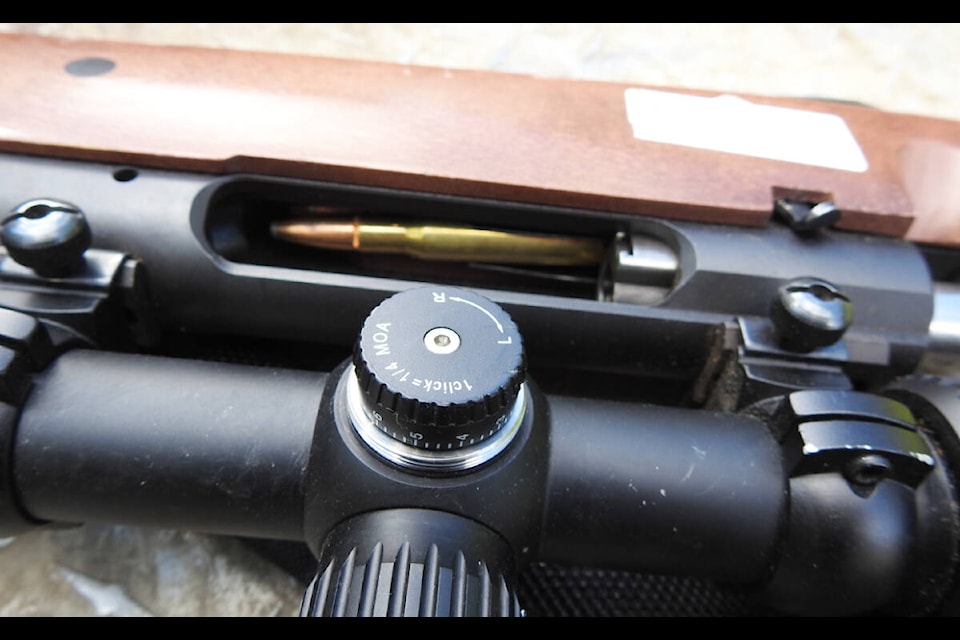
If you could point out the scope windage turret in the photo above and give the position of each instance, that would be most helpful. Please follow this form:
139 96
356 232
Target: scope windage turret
439 379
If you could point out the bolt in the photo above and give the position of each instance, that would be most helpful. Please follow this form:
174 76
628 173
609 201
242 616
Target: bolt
809 313
48 236
868 470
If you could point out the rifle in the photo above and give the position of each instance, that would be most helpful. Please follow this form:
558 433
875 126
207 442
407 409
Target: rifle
455 333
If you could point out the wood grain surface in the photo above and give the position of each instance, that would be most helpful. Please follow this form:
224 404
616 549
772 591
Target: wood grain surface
474 133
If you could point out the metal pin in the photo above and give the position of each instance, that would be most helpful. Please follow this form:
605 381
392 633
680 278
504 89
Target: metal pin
807 216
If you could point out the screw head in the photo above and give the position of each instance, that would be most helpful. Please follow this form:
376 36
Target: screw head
808 216
809 313
48 236
868 470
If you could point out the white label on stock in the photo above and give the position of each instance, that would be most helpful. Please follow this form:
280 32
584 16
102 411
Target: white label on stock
734 125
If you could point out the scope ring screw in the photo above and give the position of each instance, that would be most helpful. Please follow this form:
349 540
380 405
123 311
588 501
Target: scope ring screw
868 470
46 235
809 313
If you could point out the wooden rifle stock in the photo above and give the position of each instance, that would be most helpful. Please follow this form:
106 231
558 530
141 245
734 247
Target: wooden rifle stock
468 133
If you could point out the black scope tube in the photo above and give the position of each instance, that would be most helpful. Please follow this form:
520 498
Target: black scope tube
223 448
154 441
663 490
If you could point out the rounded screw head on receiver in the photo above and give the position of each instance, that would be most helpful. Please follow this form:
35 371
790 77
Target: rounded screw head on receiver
809 313
46 235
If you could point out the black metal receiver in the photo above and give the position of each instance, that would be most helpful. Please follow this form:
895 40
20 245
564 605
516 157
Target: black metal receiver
738 406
